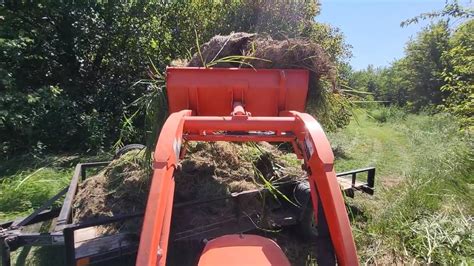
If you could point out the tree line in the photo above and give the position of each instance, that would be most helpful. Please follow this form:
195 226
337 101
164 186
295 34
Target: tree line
437 71
67 68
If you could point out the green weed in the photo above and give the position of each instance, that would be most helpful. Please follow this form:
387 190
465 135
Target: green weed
27 182
422 211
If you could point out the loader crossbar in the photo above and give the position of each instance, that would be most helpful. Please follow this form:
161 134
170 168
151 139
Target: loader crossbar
309 142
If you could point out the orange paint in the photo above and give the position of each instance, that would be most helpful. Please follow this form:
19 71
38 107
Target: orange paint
235 105
237 250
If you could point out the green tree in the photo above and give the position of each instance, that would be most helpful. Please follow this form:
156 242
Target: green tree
67 68
451 10
394 88
415 80
456 89
459 75
424 66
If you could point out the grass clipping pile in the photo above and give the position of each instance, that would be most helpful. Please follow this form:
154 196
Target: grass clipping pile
261 51
209 170
120 188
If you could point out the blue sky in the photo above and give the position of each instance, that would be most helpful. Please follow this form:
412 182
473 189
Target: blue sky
372 27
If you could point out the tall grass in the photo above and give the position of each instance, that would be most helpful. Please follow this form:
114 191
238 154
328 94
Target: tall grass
18 198
423 210
26 182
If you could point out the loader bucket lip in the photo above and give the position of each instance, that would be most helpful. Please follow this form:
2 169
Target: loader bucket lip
213 91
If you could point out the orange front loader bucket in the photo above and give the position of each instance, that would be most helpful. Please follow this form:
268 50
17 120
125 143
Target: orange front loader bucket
241 105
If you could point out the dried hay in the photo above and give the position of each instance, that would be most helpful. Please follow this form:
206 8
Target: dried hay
222 46
120 188
245 50
291 53
209 170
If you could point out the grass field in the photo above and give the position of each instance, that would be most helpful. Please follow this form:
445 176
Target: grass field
423 210
28 181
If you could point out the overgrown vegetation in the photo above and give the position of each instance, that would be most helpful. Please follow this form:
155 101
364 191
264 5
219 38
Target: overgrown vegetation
423 209
26 182
67 69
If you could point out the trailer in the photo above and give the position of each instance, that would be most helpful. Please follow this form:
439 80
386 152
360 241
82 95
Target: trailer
238 105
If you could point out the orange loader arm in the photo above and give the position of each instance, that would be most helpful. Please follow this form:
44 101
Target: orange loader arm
302 130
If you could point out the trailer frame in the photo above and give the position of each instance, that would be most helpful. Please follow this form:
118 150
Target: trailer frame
12 236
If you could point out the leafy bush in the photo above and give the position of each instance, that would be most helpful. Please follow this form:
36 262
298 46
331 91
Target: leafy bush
459 81
36 119
67 68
